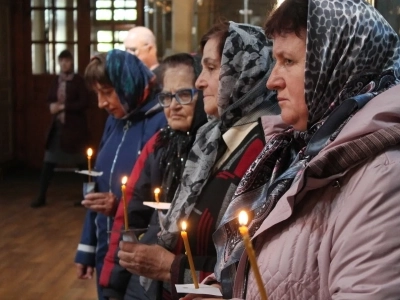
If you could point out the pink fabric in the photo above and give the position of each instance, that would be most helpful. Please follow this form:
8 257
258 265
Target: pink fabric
342 240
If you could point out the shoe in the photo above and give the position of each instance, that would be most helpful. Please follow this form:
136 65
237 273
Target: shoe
38 203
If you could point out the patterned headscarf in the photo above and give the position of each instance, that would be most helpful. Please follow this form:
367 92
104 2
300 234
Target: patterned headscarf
130 78
345 52
352 54
245 65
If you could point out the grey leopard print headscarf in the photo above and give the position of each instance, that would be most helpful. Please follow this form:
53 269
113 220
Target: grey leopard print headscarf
245 66
345 53
351 52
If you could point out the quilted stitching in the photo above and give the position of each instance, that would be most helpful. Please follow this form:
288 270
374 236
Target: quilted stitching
290 266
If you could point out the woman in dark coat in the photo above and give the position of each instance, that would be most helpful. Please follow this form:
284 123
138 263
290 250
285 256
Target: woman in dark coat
68 100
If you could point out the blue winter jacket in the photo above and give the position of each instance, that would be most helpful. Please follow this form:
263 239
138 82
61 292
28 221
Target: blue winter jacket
120 146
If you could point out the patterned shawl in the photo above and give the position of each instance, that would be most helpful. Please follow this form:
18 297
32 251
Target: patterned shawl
130 78
245 65
352 56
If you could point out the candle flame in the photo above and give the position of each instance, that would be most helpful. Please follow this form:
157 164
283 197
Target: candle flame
279 2
124 179
89 152
183 225
243 218
157 191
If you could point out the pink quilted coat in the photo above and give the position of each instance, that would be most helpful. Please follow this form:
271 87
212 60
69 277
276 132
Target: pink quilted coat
342 241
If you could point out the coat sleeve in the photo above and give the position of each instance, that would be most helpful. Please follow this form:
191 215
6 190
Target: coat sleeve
114 279
86 251
365 255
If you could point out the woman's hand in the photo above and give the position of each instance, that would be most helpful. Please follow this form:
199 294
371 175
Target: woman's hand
105 203
56 107
152 261
84 272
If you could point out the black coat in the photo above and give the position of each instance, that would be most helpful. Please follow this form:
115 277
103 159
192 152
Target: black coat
74 132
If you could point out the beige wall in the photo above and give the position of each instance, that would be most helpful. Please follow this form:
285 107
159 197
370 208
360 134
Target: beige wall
182 11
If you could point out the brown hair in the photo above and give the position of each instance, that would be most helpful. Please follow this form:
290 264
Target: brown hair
220 31
65 54
290 17
178 60
96 72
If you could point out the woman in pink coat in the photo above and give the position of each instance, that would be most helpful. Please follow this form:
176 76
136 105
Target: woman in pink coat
328 226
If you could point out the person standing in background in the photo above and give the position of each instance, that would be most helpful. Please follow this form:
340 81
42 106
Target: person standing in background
141 42
68 101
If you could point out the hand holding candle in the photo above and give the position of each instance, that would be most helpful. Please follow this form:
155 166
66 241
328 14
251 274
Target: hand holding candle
243 219
123 188
89 153
189 255
156 193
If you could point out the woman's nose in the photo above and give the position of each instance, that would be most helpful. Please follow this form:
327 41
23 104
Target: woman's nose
201 83
275 82
102 102
174 104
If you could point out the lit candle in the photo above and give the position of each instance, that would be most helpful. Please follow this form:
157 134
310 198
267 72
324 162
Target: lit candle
89 153
243 219
156 192
189 255
123 188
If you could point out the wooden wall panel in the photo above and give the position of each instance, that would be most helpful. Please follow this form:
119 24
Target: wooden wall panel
6 105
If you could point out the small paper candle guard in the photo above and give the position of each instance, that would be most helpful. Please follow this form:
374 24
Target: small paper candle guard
189 254
123 188
243 219
89 153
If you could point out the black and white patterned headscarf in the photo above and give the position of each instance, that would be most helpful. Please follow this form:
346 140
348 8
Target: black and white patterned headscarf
242 98
352 52
345 53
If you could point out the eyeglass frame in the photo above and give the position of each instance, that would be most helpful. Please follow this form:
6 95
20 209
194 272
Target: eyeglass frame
193 92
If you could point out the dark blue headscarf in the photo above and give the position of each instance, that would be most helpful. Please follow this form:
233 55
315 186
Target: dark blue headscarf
130 78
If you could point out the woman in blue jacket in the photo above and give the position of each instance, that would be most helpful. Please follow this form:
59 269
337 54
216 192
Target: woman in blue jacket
126 89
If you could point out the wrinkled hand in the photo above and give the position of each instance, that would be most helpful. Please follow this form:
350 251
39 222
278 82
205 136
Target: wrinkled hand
56 107
201 297
152 261
105 203
84 272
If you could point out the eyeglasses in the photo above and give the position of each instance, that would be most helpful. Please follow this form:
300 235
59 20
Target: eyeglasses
183 97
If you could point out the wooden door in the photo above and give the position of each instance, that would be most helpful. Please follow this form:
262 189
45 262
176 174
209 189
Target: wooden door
6 103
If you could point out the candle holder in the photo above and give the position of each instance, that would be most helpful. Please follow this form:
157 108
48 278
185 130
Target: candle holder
130 235
89 187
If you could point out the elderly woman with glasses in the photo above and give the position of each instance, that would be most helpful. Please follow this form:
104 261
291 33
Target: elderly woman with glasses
160 165
236 63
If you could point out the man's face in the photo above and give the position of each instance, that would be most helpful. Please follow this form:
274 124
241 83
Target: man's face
138 48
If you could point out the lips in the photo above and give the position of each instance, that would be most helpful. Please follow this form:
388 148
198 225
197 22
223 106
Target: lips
177 116
281 99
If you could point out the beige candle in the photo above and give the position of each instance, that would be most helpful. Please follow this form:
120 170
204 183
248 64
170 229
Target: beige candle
243 219
189 255
89 153
123 188
156 194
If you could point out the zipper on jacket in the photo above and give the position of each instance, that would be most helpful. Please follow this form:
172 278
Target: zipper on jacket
126 128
